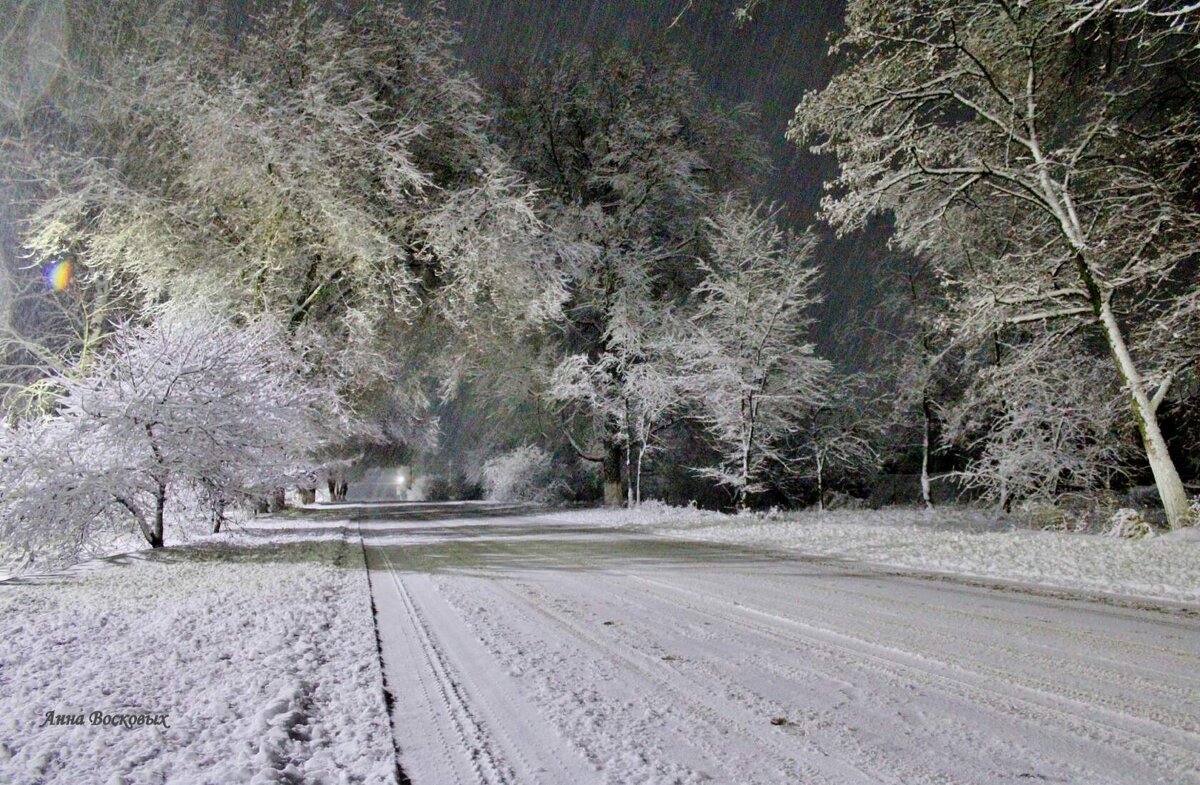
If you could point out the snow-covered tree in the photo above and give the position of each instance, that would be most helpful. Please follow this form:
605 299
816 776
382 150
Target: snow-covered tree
1040 421
329 169
653 398
746 366
628 153
526 474
188 399
636 384
836 438
1043 155
1183 15
915 364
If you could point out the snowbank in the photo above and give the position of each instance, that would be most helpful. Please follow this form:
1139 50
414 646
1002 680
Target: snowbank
262 660
959 541
650 514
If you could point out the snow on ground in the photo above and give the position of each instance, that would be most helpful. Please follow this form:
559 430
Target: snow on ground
650 513
548 649
586 647
953 540
262 659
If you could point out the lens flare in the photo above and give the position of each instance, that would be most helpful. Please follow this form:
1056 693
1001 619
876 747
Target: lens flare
58 275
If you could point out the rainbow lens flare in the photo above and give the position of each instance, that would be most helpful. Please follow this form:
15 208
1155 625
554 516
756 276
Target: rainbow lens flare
58 275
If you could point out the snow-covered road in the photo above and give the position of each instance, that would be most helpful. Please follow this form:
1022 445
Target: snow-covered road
526 649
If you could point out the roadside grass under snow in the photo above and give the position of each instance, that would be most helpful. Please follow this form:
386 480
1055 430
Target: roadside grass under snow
263 659
960 541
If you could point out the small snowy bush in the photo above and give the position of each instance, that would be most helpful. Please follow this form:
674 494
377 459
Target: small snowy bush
772 514
1129 524
419 492
525 474
1043 515
836 500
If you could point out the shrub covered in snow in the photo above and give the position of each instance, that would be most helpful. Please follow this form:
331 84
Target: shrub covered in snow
525 474
1129 524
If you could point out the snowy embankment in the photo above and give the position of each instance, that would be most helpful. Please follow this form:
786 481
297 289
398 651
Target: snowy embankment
244 664
955 541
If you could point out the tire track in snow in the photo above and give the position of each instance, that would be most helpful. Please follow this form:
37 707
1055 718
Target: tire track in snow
700 701
470 734
882 675
468 692
836 731
1078 643
415 674
996 701
1073 668
625 732
389 699
1179 749
746 667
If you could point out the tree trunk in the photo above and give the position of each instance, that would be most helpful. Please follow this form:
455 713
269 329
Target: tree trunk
1166 476
307 495
277 501
637 496
749 422
337 485
1145 413
611 469
629 474
745 477
155 535
925 494
820 484
218 515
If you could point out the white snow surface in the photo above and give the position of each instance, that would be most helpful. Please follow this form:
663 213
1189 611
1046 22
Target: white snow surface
261 655
561 648
960 541
657 647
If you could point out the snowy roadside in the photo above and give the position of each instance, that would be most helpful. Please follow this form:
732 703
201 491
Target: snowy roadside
246 661
954 541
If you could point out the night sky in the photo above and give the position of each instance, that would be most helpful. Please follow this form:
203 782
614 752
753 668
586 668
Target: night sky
767 63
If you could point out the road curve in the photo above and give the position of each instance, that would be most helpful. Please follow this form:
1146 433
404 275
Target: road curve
521 648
